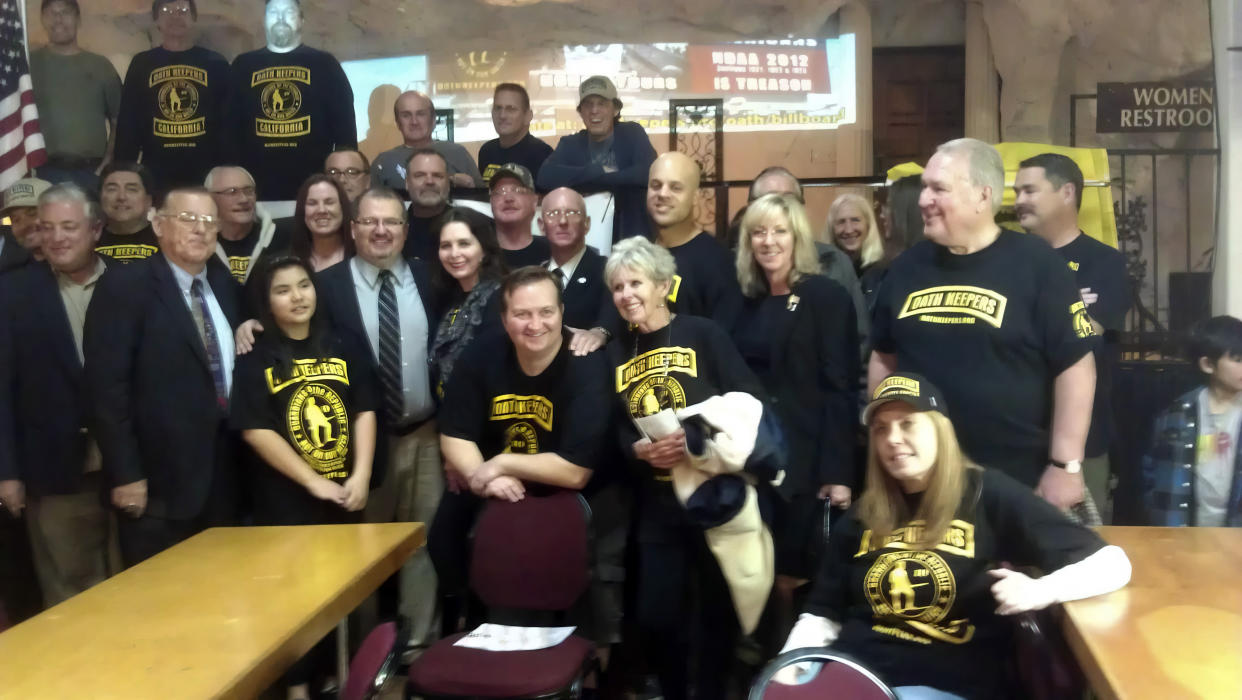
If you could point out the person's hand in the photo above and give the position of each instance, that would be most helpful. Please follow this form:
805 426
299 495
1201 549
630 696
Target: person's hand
131 498
1015 592
1088 297
1060 488
484 475
462 180
327 490
838 496
586 342
13 496
453 479
665 453
356 491
505 488
243 337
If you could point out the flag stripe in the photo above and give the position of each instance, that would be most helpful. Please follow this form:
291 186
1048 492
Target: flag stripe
21 143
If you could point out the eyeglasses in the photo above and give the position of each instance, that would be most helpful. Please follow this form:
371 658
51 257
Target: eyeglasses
372 222
348 172
508 190
234 191
188 217
571 214
170 10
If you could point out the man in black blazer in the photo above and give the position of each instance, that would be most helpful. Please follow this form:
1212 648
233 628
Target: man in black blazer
408 477
12 254
589 311
159 364
49 465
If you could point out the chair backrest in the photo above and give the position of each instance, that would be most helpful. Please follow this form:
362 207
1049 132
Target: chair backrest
373 664
835 676
533 554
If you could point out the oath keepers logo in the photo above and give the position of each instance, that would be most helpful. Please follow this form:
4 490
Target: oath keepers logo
1082 321
917 588
281 100
955 305
178 101
319 426
520 437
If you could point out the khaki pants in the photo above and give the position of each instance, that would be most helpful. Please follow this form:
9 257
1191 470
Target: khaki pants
73 538
411 493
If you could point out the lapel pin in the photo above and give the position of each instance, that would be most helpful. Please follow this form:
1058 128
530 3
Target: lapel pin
793 302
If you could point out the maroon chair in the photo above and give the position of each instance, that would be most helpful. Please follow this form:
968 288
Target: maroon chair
372 665
527 556
838 676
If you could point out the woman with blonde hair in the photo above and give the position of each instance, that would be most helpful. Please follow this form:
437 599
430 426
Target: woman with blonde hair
852 228
798 334
916 579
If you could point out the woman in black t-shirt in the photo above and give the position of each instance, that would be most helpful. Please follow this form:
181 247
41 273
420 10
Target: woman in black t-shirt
471 265
798 332
671 361
914 583
321 234
304 401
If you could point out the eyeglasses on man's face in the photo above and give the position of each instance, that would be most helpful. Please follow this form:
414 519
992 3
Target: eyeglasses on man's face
506 190
247 191
570 214
369 222
170 10
209 222
347 172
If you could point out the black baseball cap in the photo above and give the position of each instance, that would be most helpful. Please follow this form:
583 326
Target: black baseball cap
909 388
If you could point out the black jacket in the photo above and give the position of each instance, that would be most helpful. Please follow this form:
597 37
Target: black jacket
13 255
43 410
588 302
152 398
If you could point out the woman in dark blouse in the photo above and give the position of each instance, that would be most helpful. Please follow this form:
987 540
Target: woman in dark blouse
321 234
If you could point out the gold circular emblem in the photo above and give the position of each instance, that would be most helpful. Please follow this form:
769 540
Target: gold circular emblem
178 100
914 585
1082 323
482 64
281 100
319 426
654 394
520 438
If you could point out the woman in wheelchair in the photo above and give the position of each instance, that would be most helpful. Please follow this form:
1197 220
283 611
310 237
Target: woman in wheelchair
917 580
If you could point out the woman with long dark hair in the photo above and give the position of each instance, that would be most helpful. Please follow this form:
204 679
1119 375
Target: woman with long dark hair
469 273
321 223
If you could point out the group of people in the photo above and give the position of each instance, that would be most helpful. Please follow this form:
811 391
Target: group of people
173 358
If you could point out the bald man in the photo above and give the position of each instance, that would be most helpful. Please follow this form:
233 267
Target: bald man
588 303
416 119
706 281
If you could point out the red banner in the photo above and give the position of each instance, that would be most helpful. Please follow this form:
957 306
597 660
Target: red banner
769 70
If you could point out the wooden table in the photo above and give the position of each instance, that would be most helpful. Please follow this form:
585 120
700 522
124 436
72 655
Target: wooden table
222 614
1175 631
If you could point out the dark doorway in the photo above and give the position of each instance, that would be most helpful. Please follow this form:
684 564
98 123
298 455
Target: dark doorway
919 97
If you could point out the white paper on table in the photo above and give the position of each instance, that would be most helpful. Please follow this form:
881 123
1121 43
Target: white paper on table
658 425
491 637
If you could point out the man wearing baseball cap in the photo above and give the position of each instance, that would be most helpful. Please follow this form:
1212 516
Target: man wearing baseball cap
513 208
21 206
608 155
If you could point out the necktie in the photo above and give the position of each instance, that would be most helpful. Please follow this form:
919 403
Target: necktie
211 343
559 273
390 348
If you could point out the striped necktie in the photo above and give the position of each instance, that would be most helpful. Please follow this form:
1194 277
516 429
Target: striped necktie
211 343
390 349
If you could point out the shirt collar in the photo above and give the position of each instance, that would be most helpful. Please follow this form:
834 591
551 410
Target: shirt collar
100 268
570 265
185 279
370 273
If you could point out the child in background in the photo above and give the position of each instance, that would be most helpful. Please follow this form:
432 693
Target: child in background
1191 474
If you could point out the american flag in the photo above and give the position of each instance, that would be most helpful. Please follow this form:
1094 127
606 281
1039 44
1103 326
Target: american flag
21 144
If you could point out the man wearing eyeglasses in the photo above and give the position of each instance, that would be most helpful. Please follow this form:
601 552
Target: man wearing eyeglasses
158 343
384 300
351 170
247 231
578 267
172 106
513 209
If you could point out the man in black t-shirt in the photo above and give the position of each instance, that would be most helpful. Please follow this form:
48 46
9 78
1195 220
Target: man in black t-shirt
521 413
513 208
125 196
427 181
706 281
1049 195
993 318
511 115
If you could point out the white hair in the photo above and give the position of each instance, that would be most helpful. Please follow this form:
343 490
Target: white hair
984 165
214 172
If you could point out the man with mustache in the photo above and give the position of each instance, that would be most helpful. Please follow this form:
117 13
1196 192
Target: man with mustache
125 194
416 119
20 244
427 181
1049 195
246 229
290 106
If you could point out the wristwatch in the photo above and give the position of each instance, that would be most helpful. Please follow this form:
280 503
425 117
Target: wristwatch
1073 466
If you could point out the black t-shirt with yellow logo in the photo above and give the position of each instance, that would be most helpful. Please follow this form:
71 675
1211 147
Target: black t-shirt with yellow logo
565 409
126 248
992 329
172 110
288 111
313 410
927 616
682 364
